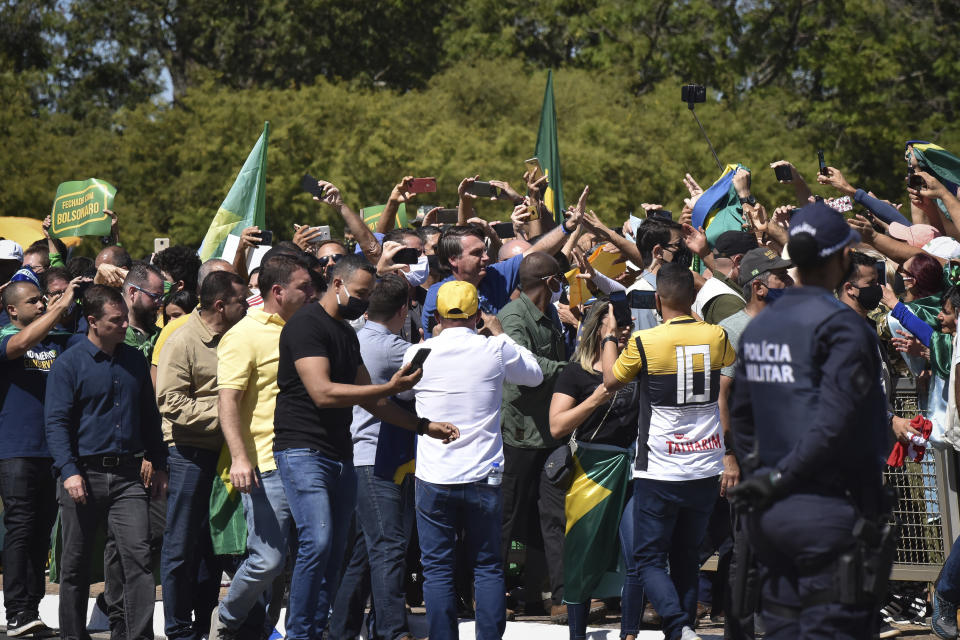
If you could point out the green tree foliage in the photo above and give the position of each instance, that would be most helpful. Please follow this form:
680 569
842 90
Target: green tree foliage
364 93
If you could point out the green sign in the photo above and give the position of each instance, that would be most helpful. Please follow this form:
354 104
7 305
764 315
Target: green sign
371 215
80 208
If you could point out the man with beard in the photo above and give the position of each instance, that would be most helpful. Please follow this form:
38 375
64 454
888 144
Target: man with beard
143 293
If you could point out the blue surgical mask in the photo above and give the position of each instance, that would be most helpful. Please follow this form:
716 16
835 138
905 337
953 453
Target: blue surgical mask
774 294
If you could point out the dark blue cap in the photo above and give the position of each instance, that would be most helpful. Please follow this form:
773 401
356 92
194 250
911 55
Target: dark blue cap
826 225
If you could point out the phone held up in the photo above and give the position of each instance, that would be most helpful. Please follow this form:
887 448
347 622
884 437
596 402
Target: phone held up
784 174
418 358
823 165
693 94
159 244
266 238
309 184
407 255
483 189
423 185
913 180
447 216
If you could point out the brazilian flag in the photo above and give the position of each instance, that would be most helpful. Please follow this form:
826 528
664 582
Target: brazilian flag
245 204
718 209
938 161
228 525
548 152
594 506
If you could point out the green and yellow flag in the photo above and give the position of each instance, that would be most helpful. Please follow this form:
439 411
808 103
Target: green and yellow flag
228 525
938 161
594 506
245 204
548 152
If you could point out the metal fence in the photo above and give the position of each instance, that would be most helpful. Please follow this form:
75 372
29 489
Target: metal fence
926 505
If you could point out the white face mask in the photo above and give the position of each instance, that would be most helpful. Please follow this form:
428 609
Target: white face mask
254 291
419 272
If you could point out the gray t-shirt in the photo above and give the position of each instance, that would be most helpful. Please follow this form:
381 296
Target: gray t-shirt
382 353
734 326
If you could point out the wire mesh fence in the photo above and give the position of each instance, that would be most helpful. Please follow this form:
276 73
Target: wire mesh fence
920 551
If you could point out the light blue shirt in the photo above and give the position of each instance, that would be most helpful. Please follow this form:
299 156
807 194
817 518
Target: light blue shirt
382 353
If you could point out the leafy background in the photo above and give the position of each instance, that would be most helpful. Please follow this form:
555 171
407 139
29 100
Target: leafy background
164 99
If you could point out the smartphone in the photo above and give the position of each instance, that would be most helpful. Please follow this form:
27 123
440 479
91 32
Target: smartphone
841 204
881 268
533 164
621 310
159 244
483 189
914 181
418 358
661 213
266 237
447 216
407 255
823 165
693 93
534 212
423 185
505 230
309 184
783 173
641 300
323 235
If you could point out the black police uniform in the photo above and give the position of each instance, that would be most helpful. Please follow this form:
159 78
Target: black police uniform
808 403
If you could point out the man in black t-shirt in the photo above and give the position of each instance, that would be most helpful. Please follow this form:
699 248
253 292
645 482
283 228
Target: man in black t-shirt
321 377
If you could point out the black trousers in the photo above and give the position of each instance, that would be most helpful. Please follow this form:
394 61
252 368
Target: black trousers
116 495
28 490
533 511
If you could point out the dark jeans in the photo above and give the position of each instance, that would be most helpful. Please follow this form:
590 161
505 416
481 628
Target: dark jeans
948 584
442 509
671 520
798 541
533 511
713 584
191 583
346 616
632 601
29 498
385 517
118 496
322 494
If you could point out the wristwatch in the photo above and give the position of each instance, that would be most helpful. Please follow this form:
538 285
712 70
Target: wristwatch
610 338
422 425
750 200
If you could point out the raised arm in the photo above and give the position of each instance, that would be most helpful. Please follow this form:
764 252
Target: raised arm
398 196
367 242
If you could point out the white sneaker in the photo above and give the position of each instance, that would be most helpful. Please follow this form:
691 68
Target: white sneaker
689 634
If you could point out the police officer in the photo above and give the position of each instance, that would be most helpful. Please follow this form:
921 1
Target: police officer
809 418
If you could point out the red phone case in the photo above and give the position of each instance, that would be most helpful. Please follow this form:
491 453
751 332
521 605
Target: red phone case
423 185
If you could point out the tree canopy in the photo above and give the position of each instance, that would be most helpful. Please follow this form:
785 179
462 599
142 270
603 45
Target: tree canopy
364 93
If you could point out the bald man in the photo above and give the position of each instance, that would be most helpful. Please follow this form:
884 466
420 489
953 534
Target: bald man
533 508
114 255
28 347
510 248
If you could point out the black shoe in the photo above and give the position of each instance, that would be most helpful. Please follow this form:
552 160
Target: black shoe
887 630
24 623
223 633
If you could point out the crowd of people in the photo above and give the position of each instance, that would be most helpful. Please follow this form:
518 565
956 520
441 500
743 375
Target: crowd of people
600 395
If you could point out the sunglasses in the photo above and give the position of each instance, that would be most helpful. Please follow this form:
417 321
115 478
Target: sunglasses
325 260
156 297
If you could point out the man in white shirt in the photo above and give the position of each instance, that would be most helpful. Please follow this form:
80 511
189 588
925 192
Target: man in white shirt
463 383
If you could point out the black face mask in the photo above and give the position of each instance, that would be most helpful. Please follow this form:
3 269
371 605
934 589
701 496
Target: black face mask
682 256
354 308
870 296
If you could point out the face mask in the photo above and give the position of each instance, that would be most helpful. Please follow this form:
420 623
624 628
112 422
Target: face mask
419 272
870 296
774 294
254 291
682 256
354 308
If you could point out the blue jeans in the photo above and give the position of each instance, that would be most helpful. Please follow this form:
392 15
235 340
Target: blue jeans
631 597
187 548
269 531
948 584
442 510
671 520
385 517
322 494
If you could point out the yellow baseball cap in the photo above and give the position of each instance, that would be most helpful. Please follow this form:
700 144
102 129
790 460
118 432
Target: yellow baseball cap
457 299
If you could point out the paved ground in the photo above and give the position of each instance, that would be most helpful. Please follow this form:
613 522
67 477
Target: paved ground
523 628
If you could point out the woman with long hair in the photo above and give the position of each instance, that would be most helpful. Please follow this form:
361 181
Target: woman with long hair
605 426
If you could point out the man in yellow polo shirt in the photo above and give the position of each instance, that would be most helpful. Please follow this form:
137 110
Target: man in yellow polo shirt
247 391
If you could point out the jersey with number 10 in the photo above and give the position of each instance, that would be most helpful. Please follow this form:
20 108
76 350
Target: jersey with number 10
678 365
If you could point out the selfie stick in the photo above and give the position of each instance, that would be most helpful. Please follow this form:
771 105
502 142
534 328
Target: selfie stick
706 137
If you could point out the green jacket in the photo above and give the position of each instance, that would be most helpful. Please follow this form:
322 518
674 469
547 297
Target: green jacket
525 415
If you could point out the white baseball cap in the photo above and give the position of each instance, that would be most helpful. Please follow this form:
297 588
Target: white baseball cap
10 250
